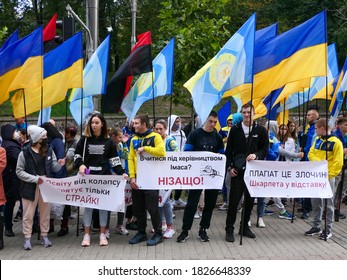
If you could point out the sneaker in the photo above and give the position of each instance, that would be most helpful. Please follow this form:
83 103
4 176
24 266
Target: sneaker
304 216
229 236
103 240
131 226
63 231
249 223
139 237
270 202
247 233
268 212
9 233
107 233
179 203
45 242
27 244
163 227
313 231
121 230
196 215
183 236
285 215
224 207
203 236
326 235
86 240
261 223
17 218
156 239
169 233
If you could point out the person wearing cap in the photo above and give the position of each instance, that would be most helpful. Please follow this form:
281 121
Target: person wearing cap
36 160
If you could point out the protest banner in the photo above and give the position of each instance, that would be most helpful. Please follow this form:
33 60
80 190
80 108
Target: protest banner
181 170
92 191
288 179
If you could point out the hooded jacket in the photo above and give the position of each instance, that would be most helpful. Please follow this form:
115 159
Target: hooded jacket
13 149
179 134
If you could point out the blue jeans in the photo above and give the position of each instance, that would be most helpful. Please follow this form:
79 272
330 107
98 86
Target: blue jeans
166 212
87 217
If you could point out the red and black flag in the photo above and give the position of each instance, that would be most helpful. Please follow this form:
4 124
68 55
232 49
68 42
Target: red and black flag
138 62
49 33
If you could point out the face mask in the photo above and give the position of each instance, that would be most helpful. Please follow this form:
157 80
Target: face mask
44 141
175 127
16 135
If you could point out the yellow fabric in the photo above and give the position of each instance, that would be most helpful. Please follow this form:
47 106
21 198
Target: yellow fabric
158 150
335 157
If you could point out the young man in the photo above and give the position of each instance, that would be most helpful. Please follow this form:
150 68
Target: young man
325 147
145 140
247 141
202 139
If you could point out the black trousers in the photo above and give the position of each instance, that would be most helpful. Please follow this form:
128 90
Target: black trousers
237 189
146 200
192 205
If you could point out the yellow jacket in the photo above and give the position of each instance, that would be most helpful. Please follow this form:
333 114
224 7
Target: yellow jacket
153 144
334 149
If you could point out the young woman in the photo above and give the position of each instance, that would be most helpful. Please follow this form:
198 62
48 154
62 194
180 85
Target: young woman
2 196
96 152
38 159
166 210
287 149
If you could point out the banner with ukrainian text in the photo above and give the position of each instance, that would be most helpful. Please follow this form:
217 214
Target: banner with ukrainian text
92 191
181 170
288 179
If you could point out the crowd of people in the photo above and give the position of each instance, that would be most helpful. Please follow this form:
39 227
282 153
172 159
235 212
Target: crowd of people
29 152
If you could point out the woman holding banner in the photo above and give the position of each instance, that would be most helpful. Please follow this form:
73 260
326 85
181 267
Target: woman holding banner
96 154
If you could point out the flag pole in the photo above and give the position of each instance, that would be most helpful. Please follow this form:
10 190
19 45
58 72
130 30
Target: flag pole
153 103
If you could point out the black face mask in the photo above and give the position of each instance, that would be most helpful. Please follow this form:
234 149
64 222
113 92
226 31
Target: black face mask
44 142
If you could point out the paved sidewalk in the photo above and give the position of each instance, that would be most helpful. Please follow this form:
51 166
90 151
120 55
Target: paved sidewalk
280 240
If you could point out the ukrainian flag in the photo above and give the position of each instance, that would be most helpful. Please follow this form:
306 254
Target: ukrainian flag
13 38
317 88
292 56
21 64
231 68
63 68
148 87
243 95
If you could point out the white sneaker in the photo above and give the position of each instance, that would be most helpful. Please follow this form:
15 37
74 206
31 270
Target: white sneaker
103 240
86 240
107 233
122 230
196 215
261 223
249 223
179 203
163 227
169 233
224 207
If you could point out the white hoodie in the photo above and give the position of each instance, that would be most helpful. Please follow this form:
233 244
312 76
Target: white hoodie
178 134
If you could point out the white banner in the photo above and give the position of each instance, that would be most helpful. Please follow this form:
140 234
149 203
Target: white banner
92 191
181 170
288 179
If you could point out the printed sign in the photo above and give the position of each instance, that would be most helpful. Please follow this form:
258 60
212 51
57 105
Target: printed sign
288 179
92 191
181 170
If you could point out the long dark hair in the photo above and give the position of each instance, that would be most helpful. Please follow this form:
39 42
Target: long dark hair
88 132
52 131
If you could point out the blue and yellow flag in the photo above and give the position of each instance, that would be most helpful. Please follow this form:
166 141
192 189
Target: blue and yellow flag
94 83
291 56
341 88
13 38
231 68
145 88
63 69
21 64
317 88
243 95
